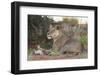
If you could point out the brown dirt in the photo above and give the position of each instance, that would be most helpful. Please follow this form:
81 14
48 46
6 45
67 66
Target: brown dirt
47 57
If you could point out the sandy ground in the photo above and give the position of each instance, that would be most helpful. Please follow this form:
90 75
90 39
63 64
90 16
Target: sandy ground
46 57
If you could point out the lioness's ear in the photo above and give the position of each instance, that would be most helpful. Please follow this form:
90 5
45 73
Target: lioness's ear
57 27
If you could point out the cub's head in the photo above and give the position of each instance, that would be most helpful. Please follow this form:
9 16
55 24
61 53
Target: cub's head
54 31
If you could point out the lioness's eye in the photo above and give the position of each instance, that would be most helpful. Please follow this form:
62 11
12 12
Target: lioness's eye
47 33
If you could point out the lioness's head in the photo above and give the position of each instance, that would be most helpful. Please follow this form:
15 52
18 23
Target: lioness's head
54 31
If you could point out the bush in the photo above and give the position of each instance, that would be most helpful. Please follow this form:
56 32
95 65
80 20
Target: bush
83 40
47 44
54 53
71 21
30 50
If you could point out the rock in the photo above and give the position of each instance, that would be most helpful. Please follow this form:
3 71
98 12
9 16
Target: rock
38 52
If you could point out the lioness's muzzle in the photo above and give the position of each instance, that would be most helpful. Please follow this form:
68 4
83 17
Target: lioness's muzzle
49 36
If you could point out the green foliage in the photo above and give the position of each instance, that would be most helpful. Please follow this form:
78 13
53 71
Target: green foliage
54 53
83 40
30 50
71 21
37 28
66 20
47 44
74 21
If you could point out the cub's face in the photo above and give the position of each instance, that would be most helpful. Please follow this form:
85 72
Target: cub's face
54 32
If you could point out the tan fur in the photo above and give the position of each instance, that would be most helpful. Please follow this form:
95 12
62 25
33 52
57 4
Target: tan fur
62 40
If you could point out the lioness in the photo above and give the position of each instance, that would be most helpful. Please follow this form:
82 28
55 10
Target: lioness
65 39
